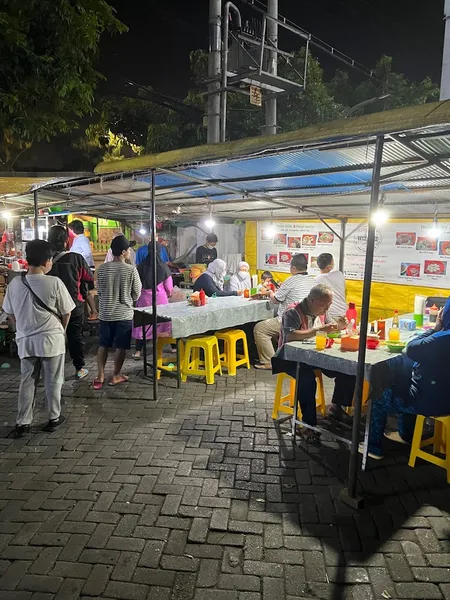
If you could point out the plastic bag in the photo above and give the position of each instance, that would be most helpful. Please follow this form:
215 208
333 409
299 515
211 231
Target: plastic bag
179 295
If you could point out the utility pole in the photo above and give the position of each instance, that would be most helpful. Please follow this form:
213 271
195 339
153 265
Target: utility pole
272 36
445 77
214 70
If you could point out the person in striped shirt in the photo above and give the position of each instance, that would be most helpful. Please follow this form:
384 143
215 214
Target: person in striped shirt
118 286
293 290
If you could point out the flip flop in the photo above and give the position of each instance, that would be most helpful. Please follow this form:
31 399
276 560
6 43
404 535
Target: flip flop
263 366
97 385
122 379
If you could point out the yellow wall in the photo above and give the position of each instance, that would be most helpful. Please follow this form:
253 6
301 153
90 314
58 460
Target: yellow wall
385 297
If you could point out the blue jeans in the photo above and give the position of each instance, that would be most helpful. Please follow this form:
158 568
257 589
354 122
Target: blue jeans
389 404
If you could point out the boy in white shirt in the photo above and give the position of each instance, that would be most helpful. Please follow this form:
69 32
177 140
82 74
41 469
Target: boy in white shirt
40 306
334 280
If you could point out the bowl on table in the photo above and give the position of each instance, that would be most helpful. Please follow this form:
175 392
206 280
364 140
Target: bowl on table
396 346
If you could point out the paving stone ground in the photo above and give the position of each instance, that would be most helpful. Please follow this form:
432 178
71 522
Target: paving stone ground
201 496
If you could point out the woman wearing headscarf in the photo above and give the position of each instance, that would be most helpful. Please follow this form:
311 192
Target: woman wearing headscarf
241 279
421 385
164 287
211 281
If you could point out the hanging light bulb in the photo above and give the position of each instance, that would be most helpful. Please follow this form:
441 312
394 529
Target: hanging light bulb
435 230
142 230
380 217
271 229
209 222
6 214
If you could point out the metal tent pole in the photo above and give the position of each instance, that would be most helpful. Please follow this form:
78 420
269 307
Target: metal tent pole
272 37
214 68
349 495
36 215
445 76
342 245
154 313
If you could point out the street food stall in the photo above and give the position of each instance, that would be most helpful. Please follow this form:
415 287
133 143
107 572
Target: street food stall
367 187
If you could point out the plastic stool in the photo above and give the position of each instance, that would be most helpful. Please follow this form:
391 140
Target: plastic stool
365 399
230 359
192 365
163 362
285 404
440 441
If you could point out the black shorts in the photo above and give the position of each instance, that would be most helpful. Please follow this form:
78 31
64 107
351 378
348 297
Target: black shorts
116 333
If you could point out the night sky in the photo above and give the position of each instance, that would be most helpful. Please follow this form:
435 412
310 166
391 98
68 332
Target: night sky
161 34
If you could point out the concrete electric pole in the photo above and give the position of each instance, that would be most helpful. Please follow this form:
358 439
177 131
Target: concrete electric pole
272 37
214 70
445 77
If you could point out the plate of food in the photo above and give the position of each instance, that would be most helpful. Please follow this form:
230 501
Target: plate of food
309 239
285 257
426 243
410 270
405 239
435 267
325 237
396 347
444 248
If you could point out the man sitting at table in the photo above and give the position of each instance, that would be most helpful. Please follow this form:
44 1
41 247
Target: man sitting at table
302 323
421 384
292 290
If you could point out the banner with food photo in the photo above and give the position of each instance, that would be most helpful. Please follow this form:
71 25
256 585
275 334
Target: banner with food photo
278 242
406 253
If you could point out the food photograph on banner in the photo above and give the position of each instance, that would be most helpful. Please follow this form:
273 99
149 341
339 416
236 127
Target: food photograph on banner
279 242
405 253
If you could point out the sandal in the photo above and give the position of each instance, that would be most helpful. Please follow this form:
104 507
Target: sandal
263 366
137 356
97 385
310 436
121 379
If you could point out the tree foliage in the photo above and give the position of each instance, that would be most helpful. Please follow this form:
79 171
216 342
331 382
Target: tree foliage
48 50
157 129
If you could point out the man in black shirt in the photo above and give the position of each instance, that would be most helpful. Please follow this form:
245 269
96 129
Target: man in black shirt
76 275
207 253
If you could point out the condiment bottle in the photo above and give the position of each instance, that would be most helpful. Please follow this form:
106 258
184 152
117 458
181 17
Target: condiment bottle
434 311
202 297
395 320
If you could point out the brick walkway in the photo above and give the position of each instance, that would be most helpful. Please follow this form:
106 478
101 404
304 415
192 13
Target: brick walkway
201 496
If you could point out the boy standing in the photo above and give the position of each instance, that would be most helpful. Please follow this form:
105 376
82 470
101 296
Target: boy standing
118 286
41 306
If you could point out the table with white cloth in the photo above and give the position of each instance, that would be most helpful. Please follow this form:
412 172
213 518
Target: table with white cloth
378 371
218 313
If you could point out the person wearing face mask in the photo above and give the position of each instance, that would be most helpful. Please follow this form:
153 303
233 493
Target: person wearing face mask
211 281
40 306
207 253
241 279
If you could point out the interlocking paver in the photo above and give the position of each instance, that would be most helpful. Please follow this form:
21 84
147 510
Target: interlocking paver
202 496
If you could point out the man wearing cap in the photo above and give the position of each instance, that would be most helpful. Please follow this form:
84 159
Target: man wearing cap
119 286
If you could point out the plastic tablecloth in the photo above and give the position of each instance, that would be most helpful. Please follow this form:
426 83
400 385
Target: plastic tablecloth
218 313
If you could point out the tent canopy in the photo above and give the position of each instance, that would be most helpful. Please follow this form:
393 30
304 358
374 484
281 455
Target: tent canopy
325 169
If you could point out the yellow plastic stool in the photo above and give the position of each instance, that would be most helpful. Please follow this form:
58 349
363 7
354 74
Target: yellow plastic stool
230 360
285 404
365 399
440 441
163 362
192 365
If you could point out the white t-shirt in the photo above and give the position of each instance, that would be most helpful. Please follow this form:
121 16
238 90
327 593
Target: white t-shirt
336 281
38 332
293 290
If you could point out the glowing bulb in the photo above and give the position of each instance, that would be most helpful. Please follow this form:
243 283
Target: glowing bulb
209 223
142 231
7 215
380 217
271 230
434 231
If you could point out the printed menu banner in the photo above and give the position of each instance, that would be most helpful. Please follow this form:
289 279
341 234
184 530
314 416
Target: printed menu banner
405 253
278 243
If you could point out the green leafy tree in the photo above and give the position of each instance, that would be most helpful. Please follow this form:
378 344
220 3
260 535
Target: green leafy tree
48 50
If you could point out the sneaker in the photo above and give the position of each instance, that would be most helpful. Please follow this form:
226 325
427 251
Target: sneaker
20 431
53 424
82 373
337 413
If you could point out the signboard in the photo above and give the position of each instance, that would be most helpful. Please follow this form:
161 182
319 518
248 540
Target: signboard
255 95
278 243
405 253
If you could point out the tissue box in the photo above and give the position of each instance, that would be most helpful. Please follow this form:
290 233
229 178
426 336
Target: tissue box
408 324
